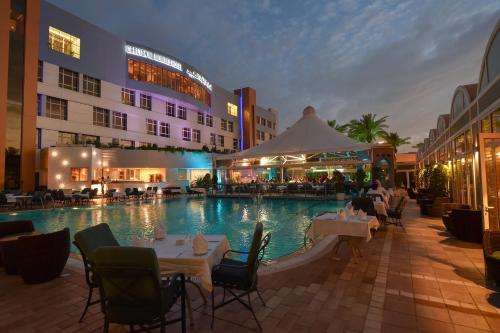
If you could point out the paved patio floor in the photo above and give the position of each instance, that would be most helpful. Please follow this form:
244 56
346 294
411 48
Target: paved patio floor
413 280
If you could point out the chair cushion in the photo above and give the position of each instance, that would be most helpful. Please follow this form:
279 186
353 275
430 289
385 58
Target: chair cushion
495 255
90 239
235 277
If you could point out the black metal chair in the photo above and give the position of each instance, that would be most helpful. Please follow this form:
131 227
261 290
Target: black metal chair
234 275
366 204
132 290
88 241
395 212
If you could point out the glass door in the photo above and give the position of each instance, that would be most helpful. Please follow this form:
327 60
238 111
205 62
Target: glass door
489 154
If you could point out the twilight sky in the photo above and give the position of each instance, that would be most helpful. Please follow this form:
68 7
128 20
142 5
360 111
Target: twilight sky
397 58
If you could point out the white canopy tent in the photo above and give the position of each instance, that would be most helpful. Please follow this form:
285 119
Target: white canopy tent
309 135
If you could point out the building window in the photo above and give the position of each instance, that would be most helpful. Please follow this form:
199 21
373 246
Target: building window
212 139
63 42
270 136
38 142
269 124
101 117
230 126
181 112
91 86
186 134
196 135
127 143
261 135
209 120
220 140
89 139
120 120
68 79
79 174
140 71
262 121
128 96
39 104
164 129
201 118
258 119
151 127
223 124
56 108
274 126
170 109
235 143
146 102
40 71
66 138
232 109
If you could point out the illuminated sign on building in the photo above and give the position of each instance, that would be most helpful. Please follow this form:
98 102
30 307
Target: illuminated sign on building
198 77
140 52
137 51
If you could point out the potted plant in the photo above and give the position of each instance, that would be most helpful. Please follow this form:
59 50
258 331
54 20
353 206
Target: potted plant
360 178
338 179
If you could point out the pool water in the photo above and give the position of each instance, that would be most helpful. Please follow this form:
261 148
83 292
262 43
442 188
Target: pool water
235 218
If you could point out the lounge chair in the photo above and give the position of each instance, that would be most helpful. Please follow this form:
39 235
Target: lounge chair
191 191
132 291
88 241
5 202
395 211
491 252
136 193
241 276
466 225
42 258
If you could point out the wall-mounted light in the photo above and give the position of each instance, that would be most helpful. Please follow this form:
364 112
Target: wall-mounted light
61 185
84 154
65 162
54 153
94 153
82 187
58 176
99 162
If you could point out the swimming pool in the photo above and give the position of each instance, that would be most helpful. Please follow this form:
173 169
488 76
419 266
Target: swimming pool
235 218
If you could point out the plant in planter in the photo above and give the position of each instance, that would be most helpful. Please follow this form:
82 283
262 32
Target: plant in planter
438 180
360 178
338 179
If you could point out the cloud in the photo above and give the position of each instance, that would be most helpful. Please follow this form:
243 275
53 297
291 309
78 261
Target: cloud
398 58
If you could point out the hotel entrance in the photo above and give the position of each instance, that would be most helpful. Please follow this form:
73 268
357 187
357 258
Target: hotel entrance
489 150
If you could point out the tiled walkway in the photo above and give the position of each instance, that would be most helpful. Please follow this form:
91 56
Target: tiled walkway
417 280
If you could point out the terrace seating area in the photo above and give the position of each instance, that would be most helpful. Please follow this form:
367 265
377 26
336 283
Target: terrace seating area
415 279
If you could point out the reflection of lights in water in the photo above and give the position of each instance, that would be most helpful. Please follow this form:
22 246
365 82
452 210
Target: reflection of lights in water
244 215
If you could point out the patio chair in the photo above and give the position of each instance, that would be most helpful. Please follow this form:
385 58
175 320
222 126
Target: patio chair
7 249
365 204
42 258
5 203
136 193
88 241
447 209
491 252
132 291
192 192
395 211
241 276
466 225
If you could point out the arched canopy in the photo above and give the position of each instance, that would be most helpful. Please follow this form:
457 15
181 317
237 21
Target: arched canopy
432 135
442 123
462 97
490 67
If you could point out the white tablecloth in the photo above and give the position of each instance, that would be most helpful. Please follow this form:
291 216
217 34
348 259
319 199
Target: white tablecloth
327 224
380 208
180 258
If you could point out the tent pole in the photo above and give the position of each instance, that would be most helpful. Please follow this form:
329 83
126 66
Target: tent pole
282 178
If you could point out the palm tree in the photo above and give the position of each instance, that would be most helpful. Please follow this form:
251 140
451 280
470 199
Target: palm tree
339 128
368 128
395 140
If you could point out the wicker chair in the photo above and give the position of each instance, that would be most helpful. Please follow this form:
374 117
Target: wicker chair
8 248
447 208
491 251
435 208
467 224
41 258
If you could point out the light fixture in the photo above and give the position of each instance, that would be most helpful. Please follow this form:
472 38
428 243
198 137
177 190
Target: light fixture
65 162
58 176
82 187
61 185
94 153
99 162
54 153
84 154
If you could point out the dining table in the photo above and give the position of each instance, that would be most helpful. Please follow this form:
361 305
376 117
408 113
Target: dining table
350 229
22 200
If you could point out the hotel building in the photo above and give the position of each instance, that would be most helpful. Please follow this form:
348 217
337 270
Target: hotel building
100 99
467 138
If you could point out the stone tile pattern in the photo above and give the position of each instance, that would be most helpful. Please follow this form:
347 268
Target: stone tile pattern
413 280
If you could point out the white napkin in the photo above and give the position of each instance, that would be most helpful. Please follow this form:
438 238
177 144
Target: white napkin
349 210
341 216
160 232
200 245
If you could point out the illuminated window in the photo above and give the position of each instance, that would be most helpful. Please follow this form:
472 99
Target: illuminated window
232 109
209 120
119 120
63 42
201 118
66 138
89 139
230 126
181 112
127 143
235 143
196 135
68 79
79 174
128 96
56 108
146 102
220 140
186 134
101 117
170 109
40 71
151 127
223 124
91 86
164 129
